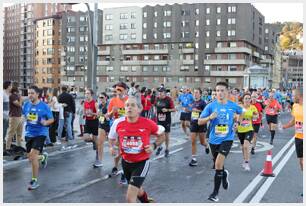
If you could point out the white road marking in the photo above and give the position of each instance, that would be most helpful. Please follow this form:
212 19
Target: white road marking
172 152
247 191
260 146
264 188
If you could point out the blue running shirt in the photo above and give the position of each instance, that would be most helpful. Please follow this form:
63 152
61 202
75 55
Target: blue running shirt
185 100
34 114
222 127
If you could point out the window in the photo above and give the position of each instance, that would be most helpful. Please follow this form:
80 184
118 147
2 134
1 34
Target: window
166 69
83 28
266 48
181 79
185 35
207 22
167 35
155 25
167 24
218 21
233 44
207 33
133 15
144 25
144 36
197 22
49 42
185 23
197 34
184 68
83 38
231 21
70 48
218 9
124 16
133 26
124 68
231 56
71 19
123 36
145 14
155 35
70 29
219 44
207 10
185 12
196 45
49 32
155 69
108 17
109 69
155 13
207 45
71 39
197 11
231 33
134 68
218 33
232 80
197 79
123 26
167 13
108 37
81 59
82 49
146 57
207 67
83 18
231 9
108 27
133 36
156 57
144 68
266 31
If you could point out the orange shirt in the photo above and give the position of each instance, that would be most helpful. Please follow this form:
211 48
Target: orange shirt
117 102
273 107
297 113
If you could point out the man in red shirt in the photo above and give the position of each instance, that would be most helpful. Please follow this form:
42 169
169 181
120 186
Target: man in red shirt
257 121
133 133
272 107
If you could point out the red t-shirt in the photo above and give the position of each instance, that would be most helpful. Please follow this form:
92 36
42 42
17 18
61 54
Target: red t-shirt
273 107
133 137
90 107
146 102
259 109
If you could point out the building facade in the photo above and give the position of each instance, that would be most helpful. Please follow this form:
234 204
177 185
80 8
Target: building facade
292 69
47 52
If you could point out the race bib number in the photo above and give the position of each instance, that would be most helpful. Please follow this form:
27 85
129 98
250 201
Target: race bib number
132 145
299 127
121 112
271 110
221 130
32 118
161 117
195 115
101 119
245 123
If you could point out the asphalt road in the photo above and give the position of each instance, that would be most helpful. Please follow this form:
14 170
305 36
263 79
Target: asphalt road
70 177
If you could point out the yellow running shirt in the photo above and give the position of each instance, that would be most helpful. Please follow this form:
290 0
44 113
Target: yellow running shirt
297 112
246 123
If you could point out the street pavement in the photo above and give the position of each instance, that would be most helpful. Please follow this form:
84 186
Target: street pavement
70 176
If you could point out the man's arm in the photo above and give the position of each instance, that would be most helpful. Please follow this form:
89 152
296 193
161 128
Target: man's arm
289 124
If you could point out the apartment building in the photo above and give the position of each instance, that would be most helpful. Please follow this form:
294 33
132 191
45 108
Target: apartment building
47 52
292 69
75 47
24 14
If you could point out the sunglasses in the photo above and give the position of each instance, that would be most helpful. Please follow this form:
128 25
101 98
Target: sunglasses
101 97
119 90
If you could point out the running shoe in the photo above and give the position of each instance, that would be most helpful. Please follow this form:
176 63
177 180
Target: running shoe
114 171
247 167
151 200
225 182
45 161
253 151
57 143
213 197
193 163
123 180
97 164
33 185
271 142
207 150
159 149
166 153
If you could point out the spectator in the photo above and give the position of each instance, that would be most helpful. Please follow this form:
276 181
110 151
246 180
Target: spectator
132 91
7 86
55 107
81 118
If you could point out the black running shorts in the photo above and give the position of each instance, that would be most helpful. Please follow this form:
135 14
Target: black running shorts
92 127
185 116
223 148
256 128
299 147
35 143
245 136
195 128
166 125
271 119
135 173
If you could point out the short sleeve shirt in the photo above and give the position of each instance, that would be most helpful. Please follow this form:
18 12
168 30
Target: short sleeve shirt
246 122
297 112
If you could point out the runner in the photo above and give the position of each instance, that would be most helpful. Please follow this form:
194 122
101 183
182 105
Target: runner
245 128
197 107
164 106
115 110
256 121
220 113
297 121
38 117
103 128
186 99
271 109
91 121
133 133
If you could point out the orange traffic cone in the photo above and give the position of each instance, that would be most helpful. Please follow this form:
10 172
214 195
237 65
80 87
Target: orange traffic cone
267 171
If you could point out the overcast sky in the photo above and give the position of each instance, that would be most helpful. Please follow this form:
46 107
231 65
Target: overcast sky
272 11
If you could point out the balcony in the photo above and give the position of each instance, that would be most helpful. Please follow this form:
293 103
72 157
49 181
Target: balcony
225 61
63 53
104 52
226 73
256 54
266 61
187 50
79 73
189 61
148 51
146 62
103 63
63 63
233 50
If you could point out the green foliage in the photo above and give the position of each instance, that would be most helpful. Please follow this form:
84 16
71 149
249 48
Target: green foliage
289 38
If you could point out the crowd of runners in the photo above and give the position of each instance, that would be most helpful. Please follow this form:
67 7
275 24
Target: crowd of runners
136 122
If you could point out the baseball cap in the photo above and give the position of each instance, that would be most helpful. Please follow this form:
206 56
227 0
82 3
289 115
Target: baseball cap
121 84
162 89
